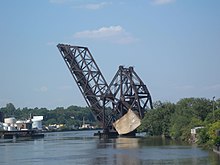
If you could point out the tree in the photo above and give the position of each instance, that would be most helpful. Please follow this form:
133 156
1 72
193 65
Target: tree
190 113
212 128
9 110
208 136
157 121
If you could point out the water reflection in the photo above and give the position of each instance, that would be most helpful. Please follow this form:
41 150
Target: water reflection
127 143
118 151
128 151
85 149
138 151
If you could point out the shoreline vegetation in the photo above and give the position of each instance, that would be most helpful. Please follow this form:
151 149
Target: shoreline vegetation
170 120
177 121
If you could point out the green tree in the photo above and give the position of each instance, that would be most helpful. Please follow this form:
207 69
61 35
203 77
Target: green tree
9 110
208 136
157 121
190 112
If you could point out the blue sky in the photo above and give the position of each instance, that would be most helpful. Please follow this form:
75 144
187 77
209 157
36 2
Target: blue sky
174 46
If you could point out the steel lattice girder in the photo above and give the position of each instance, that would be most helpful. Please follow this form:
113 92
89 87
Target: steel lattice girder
129 92
108 103
87 75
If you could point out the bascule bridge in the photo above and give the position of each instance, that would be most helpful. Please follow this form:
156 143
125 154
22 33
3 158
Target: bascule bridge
119 106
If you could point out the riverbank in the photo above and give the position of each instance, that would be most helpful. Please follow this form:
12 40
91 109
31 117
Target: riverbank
216 149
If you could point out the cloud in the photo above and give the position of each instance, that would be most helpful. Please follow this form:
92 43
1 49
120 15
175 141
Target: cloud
51 43
42 89
59 1
94 6
103 32
81 4
114 34
162 2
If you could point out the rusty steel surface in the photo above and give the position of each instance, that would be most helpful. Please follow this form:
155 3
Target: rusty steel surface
87 75
129 92
109 103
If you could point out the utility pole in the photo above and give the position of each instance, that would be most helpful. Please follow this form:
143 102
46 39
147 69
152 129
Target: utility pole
213 107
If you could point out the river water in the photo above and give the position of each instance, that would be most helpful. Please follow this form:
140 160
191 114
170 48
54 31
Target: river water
82 148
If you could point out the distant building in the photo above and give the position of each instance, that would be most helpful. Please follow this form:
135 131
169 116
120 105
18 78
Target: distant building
194 132
55 126
86 126
37 122
9 124
24 125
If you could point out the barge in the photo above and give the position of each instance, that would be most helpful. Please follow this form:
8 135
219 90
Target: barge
20 134
13 129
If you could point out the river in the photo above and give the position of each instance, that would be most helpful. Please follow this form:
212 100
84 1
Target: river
82 148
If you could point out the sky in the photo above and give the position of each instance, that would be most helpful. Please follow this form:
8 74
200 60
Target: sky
173 45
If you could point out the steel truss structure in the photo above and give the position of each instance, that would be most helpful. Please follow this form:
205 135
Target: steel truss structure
129 92
107 102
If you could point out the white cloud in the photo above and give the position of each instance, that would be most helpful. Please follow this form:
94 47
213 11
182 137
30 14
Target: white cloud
81 4
114 34
59 1
51 43
162 2
95 6
42 89
103 32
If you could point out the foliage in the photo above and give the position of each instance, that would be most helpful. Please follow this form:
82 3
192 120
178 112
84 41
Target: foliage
167 119
157 121
177 120
209 136
203 136
212 128
73 115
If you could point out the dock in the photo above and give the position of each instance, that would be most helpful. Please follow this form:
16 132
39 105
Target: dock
20 134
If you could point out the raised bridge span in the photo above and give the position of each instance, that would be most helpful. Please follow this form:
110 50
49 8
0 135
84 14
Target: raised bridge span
119 106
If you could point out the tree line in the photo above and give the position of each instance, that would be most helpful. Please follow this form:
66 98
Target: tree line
72 115
177 120
168 119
